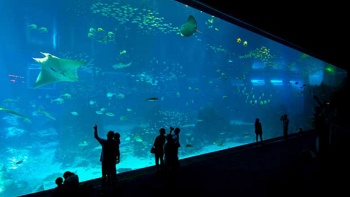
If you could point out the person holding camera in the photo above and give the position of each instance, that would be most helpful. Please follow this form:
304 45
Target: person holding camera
108 157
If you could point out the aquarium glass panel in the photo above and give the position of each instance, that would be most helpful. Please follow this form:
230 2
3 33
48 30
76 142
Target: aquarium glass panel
134 67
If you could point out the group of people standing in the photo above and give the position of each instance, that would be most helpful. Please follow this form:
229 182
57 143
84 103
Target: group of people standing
259 131
166 153
166 149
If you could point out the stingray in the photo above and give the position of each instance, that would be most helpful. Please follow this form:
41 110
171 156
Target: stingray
188 28
54 69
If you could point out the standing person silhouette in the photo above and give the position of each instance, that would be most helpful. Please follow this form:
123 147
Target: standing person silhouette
108 157
170 157
60 188
285 122
176 138
71 183
258 130
117 139
159 152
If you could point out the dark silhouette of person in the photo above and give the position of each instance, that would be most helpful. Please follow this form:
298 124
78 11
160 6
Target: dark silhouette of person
59 190
322 116
170 154
159 153
258 130
176 138
117 160
300 131
59 182
71 183
117 139
285 123
171 129
108 157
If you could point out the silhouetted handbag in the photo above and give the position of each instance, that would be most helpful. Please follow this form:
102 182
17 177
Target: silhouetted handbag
153 150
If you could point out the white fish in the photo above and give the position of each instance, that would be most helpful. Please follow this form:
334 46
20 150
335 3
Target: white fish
121 65
66 95
58 100
99 112
110 114
74 113
110 94
84 143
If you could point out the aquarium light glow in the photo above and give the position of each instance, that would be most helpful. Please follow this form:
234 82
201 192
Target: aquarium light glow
276 82
258 82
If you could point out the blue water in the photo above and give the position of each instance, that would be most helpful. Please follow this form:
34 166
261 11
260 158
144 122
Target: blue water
212 84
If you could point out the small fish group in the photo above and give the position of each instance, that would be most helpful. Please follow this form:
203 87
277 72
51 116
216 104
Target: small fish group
40 29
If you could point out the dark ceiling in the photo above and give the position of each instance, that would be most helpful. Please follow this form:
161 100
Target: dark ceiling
318 29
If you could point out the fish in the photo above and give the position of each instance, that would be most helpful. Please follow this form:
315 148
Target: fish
188 28
92 30
83 143
189 145
219 143
32 26
19 162
66 95
110 94
43 30
110 114
99 112
152 99
58 100
74 113
8 100
104 39
47 114
121 65
26 119
246 135
123 118
55 69
91 102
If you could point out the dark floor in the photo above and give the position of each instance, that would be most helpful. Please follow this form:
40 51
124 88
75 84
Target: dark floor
273 169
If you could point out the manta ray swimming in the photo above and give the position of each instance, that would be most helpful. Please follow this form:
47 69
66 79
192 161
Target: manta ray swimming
188 28
54 69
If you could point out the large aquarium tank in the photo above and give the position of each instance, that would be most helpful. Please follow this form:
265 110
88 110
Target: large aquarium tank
134 67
